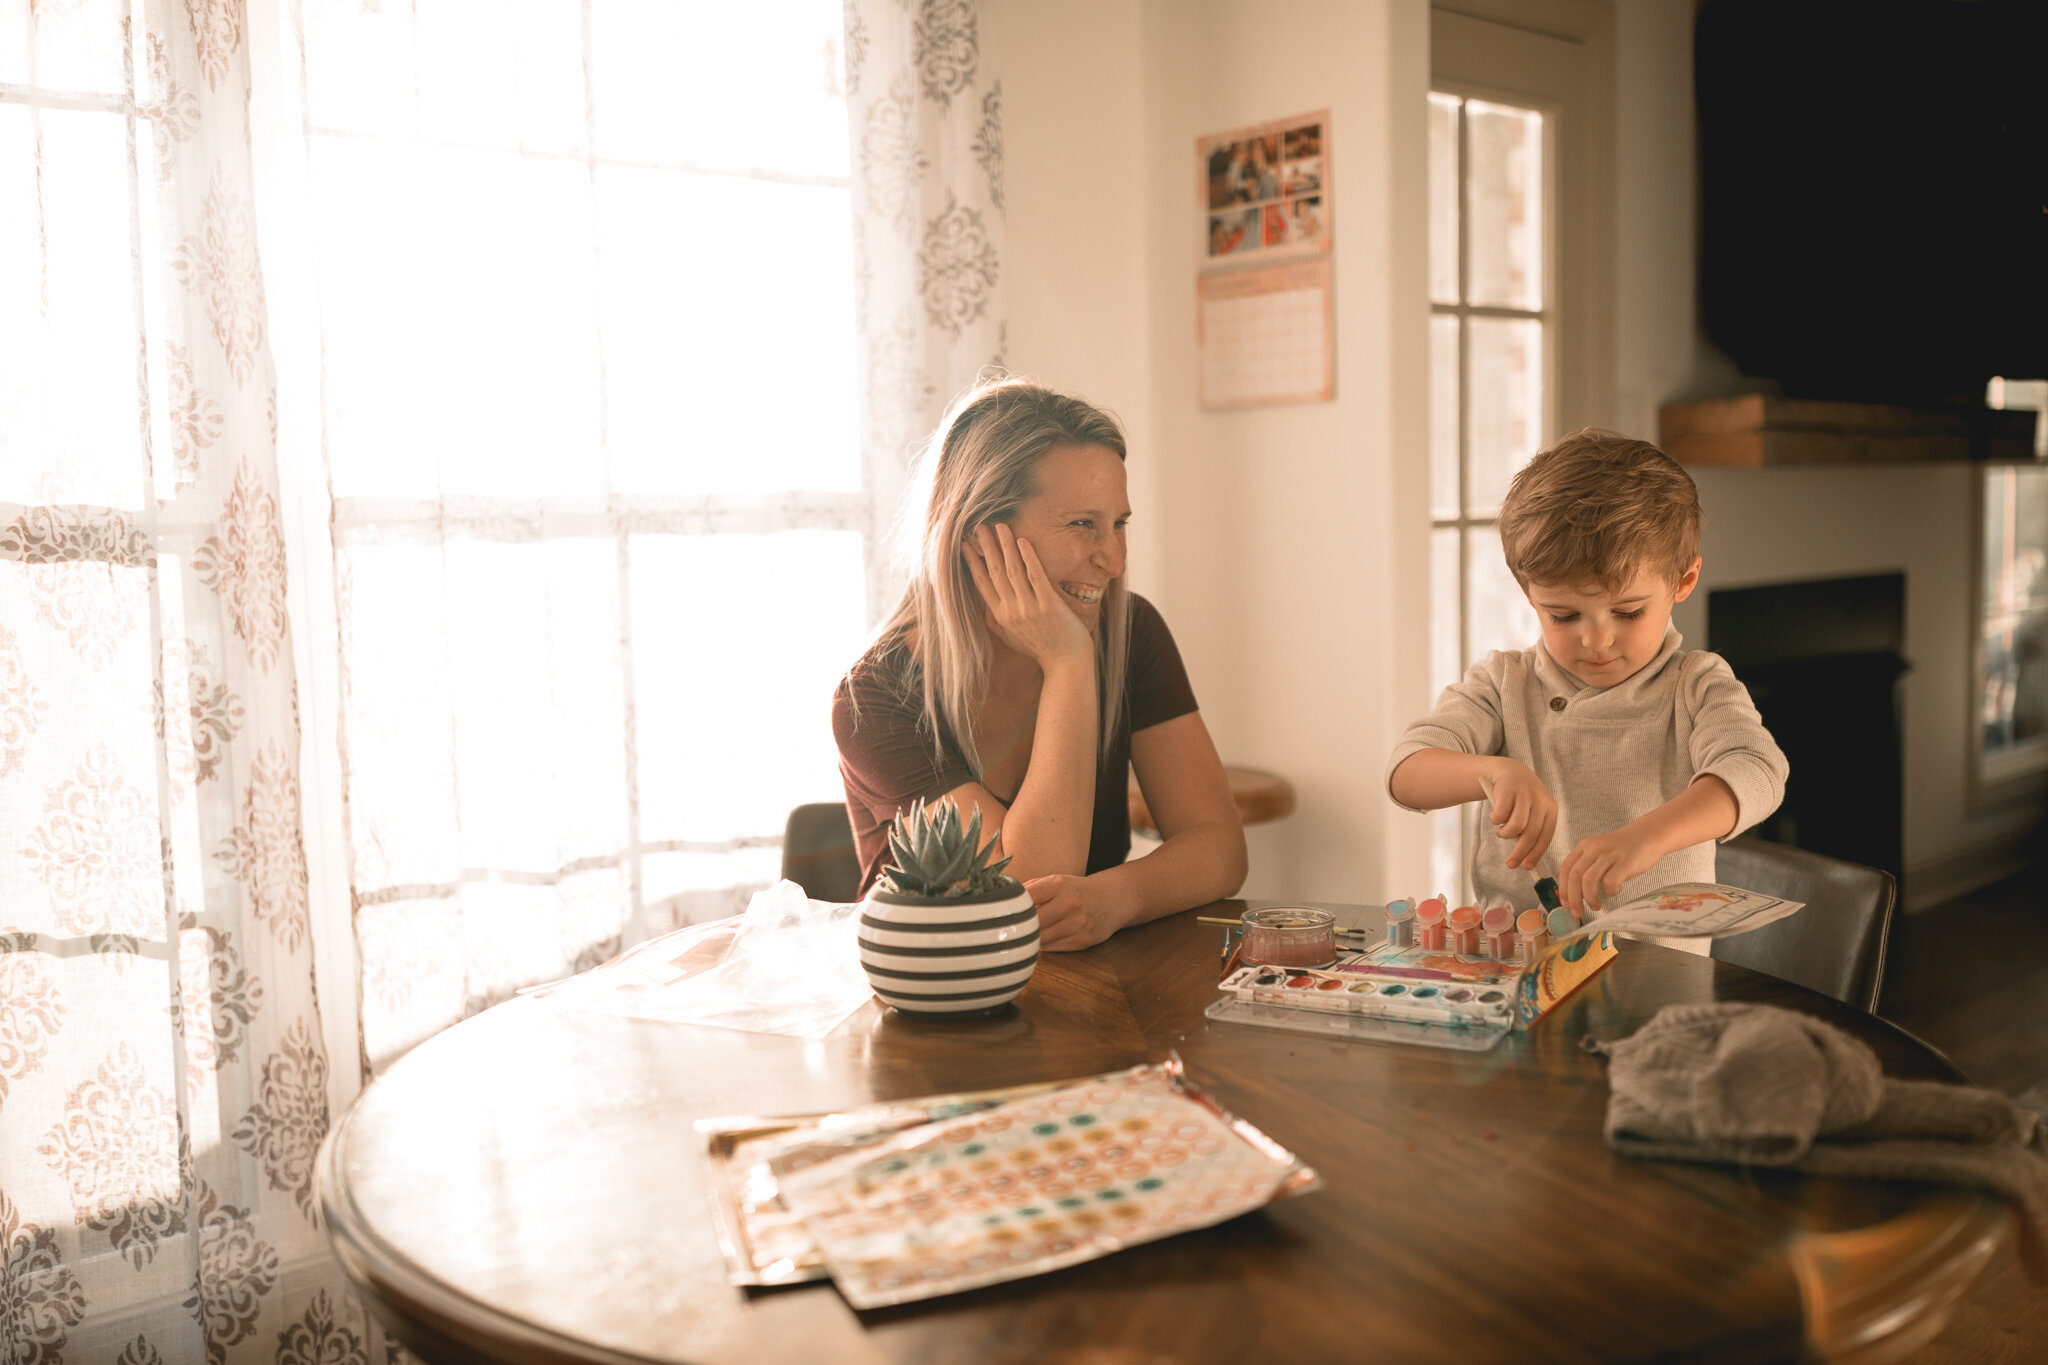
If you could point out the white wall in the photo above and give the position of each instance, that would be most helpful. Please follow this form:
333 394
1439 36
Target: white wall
1076 247
1661 355
1284 545
1300 531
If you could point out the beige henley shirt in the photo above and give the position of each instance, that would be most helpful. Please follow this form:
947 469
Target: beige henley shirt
1607 754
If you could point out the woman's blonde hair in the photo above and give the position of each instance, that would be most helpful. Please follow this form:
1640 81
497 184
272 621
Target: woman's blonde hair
977 469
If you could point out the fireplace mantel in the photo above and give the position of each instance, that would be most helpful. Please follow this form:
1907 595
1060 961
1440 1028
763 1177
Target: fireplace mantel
1761 431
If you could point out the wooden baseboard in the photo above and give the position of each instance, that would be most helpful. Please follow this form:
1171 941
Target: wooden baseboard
1940 880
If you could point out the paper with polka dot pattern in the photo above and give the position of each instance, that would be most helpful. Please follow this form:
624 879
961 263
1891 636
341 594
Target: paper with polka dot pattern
1042 1182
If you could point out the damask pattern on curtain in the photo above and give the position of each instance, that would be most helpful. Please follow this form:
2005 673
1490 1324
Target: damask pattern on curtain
163 1083
599 525
925 112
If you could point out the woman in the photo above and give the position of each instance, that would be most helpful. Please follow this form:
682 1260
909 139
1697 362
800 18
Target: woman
1019 677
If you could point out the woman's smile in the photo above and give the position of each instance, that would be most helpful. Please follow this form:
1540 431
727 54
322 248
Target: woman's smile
1075 523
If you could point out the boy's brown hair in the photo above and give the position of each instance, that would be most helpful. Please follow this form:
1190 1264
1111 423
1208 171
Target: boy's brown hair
1597 508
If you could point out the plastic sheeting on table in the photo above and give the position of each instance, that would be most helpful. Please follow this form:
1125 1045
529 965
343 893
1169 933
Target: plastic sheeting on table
792 967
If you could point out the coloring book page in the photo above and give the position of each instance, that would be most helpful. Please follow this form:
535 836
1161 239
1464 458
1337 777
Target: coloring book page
1692 910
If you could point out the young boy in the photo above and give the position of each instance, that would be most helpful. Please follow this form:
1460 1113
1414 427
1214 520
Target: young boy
1605 741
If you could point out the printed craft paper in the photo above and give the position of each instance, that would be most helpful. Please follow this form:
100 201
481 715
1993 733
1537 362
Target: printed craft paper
748 1158
1039 1183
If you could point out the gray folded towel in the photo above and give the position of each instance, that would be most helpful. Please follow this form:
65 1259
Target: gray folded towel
1764 1086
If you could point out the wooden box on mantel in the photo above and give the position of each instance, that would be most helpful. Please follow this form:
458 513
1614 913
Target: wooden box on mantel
1758 431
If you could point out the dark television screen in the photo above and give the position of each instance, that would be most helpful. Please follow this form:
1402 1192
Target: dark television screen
1874 192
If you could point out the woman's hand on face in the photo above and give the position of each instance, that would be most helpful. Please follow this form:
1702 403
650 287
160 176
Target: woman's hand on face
1073 912
1025 609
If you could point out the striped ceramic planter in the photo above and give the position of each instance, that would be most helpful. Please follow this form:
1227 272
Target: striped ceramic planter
954 958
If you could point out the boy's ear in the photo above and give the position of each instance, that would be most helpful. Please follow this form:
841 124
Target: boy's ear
1689 581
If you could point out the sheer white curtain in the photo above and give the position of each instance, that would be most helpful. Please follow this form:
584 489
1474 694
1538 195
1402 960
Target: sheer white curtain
163 1083
613 360
600 528
925 109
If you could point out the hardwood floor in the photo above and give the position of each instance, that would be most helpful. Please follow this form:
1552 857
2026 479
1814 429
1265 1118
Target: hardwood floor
1971 977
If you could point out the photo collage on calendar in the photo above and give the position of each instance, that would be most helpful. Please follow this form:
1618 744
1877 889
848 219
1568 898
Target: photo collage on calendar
1266 191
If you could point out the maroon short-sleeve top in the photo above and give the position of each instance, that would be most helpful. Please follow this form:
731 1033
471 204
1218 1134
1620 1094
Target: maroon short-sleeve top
886 761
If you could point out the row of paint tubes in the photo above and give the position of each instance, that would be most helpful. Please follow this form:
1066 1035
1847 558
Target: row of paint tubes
1497 933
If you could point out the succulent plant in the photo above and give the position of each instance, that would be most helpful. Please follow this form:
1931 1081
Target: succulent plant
932 856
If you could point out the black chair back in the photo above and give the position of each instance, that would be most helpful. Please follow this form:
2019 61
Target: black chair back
818 852
1836 945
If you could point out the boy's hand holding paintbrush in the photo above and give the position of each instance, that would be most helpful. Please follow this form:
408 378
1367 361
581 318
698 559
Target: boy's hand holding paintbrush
1595 868
1522 809
1529 859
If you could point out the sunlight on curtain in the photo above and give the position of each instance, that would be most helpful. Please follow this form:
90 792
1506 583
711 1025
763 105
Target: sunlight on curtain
163 1084
925 109
600 524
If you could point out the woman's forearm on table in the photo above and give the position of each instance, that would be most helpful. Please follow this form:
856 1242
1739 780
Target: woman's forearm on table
1047 828
1199 864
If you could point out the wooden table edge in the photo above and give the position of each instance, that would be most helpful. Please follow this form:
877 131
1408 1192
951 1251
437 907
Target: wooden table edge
430 1316
1888 1315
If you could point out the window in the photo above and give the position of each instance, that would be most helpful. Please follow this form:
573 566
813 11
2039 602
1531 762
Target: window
600 527
1491 322
1521 232
80 265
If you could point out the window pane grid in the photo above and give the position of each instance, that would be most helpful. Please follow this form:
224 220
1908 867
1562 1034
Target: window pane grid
607 271
83 305
682 166
1490 322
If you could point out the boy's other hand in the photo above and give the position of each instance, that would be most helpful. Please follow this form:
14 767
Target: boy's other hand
1523 810
1593 872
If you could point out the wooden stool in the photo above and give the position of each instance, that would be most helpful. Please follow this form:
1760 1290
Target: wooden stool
1260 796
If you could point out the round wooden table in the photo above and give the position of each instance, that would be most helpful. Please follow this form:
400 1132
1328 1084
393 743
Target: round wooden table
527 1187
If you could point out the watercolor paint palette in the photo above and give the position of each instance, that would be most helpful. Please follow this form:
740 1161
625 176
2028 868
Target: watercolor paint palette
1426 1007
1374 996
1434 989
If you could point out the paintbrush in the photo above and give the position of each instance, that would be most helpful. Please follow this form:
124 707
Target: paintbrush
1385 969
1233 945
